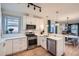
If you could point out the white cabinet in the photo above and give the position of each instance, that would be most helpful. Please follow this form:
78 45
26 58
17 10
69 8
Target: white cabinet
11 46
42 41
8 47
39 40
23 44
31 20
16 45
2 49
19 44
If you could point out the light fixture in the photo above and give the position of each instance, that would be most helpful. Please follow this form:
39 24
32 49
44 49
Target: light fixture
40 9
28 5
67 27
56 21
35 6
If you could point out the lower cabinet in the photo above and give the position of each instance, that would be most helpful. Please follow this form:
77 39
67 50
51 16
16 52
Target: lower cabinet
39 40
2 53
19 45
11 46
8 47
42 41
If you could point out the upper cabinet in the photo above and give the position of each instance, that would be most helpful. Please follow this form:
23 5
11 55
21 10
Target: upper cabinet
30 20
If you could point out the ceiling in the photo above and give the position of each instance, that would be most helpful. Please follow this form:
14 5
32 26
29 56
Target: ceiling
70 10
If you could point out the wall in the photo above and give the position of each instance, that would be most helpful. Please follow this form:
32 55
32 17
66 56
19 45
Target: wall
39 22
60 27
0 20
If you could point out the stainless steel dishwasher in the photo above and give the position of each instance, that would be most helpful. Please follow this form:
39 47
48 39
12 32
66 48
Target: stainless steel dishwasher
51 46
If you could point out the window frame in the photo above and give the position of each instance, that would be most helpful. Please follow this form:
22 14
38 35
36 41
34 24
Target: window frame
4 22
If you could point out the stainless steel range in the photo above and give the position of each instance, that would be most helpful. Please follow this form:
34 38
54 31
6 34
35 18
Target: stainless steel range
32 40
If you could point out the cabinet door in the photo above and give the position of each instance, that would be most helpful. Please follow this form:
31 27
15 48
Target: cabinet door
2 49
16 45
44 42
38 40
19 44
23 44
8 47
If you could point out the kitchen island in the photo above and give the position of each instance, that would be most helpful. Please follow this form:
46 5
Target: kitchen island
56 45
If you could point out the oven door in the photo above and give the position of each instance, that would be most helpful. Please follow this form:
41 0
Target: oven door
32 42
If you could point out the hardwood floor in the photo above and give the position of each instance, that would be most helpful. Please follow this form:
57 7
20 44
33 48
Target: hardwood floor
71 50
39 51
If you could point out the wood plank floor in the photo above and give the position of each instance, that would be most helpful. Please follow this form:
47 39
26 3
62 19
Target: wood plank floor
39 51
70 50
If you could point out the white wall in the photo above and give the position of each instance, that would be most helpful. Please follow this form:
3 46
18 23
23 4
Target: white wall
39 22
0 20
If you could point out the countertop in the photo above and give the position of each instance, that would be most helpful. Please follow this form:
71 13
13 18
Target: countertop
71 36
55 38
9 36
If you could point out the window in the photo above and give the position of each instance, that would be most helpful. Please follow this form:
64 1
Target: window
51 26
74 29
11 24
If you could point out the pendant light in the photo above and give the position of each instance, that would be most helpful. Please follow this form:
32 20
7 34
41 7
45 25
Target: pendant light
67 27
56 22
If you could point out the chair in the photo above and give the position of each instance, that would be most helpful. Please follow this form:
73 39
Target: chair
72 41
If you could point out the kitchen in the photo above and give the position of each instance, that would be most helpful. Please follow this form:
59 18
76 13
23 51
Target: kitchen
32 30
